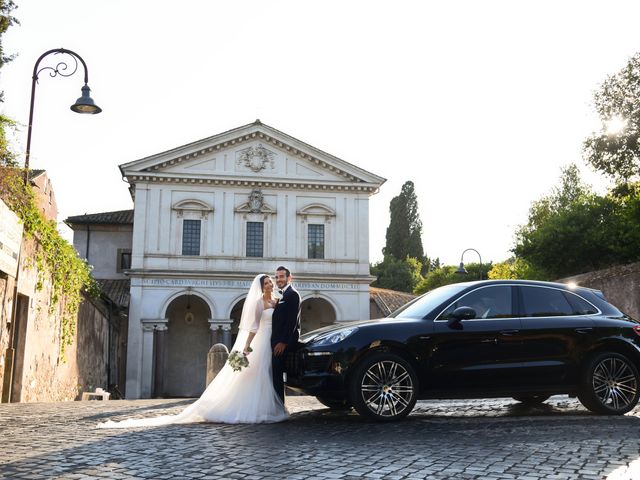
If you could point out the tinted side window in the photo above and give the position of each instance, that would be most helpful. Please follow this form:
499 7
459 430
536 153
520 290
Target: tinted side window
488 302
580 305
544 302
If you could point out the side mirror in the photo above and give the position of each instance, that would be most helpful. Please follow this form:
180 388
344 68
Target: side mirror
461 313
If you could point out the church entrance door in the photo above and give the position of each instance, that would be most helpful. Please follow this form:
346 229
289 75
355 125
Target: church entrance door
187 347
316 313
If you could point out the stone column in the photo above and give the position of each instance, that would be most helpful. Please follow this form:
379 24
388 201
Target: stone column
217 326
226 336
146 376
134 342
160 356
213 333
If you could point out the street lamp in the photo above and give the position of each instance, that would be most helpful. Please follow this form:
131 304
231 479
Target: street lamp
461 268
84 104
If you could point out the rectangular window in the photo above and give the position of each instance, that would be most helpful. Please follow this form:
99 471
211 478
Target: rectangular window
316 241
255 239
191 237
124 260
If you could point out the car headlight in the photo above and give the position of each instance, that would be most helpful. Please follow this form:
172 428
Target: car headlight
335 337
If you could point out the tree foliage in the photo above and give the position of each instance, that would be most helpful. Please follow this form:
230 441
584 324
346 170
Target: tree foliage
447 274
516 269
7 157
6 20
573 230
56 261
617 155
404 233
394 274
404 259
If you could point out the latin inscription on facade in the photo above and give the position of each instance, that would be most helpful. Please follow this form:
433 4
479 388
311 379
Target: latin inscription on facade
186 282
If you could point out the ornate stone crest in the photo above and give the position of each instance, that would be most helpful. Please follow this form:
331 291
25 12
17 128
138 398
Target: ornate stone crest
256 158
256 201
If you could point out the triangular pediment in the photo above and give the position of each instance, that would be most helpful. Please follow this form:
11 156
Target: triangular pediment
254 152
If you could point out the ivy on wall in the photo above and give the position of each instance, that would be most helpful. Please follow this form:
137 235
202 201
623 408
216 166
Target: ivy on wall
55 260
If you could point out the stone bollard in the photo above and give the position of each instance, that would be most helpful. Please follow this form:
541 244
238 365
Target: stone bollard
216 358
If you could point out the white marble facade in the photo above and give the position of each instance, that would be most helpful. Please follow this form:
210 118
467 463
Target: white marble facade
214 188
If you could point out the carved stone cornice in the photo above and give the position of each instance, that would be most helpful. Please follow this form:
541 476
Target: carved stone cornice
243 183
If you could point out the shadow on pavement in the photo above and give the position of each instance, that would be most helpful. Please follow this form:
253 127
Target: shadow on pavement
433 438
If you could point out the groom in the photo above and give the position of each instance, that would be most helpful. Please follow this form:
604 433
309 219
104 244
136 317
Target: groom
285 330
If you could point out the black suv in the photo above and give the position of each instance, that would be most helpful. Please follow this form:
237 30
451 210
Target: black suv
523 339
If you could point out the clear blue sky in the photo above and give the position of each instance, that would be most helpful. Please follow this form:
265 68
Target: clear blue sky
479 103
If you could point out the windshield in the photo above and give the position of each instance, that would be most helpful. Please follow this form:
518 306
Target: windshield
421 306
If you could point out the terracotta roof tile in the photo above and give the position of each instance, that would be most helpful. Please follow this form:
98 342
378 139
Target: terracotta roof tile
389 300
124 217
117 291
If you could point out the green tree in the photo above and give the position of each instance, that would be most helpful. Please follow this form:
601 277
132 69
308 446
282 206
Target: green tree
574 230
7 157
617 154
516 269
6 20
394 274
404 233
447 274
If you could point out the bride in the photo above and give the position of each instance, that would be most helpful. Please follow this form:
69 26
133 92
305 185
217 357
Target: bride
246 396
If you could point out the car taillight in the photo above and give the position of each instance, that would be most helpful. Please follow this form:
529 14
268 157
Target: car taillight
637 330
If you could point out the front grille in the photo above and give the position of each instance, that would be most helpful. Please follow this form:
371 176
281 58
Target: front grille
316 363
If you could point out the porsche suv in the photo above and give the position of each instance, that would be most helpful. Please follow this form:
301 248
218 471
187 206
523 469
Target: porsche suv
522 339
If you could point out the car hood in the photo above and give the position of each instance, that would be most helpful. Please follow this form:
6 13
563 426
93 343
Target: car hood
308 337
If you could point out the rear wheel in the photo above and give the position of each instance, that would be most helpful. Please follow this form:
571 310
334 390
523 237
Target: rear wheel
384 387
334 404
531 399
610 384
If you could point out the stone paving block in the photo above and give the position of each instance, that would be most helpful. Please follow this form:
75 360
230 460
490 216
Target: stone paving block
441 439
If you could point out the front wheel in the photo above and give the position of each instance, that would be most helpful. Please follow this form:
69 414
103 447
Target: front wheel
384 387
610 384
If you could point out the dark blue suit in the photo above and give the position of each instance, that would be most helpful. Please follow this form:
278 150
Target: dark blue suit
285 329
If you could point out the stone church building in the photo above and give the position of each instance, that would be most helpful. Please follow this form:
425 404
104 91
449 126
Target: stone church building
208 217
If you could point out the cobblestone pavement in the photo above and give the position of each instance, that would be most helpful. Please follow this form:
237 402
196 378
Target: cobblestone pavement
484 439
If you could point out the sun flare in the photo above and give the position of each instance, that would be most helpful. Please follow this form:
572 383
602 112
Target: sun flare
615 125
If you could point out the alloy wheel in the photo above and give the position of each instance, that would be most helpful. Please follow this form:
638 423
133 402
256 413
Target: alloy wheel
614 383
387 389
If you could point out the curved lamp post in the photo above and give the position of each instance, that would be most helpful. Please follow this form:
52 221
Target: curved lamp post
84 104
461 268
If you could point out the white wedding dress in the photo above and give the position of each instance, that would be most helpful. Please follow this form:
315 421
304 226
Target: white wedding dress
246 396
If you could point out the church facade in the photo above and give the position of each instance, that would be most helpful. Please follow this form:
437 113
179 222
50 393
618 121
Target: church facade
208 217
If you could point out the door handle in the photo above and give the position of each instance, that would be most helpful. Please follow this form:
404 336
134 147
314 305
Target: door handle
584 329
508 333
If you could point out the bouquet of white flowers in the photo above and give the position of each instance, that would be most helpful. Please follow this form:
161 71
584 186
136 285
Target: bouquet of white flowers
237 360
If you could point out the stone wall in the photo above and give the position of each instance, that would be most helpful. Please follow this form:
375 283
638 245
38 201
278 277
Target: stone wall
7 286
41 373
620 285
